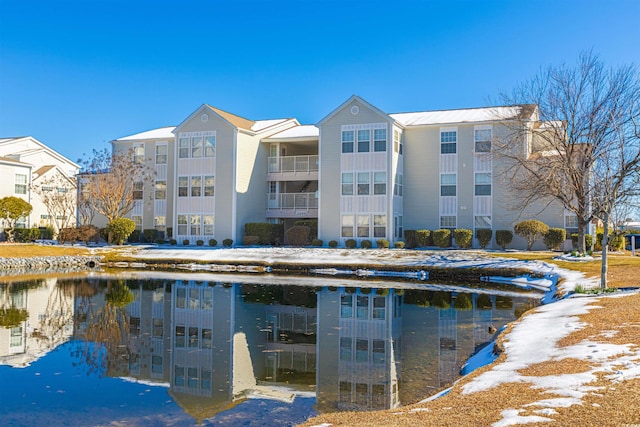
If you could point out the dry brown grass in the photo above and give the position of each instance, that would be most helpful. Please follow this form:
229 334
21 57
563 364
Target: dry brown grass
27 250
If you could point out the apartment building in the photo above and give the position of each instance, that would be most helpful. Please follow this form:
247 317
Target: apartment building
30 169
360 172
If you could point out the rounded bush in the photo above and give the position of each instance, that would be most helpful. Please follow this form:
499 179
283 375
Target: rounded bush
227 243
213 242
382 243
531 229
588 240
173 242
503 238
442 238
399 244
484 237
317 242
463 237
199 242
185 242
333 244
298 235
350 243
554 238
120 229
366 244
160 241
410 237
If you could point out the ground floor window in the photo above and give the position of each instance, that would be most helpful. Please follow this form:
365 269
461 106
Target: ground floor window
482 221
448 221
347 225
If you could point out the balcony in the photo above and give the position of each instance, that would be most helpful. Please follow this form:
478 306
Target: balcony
292 205
284 168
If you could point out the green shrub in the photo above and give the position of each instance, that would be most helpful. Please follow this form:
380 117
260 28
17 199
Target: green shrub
213 242
169 232
588 240
150 234
88 233
503 238
119 229
160 241
616 243
199 242
531 230
185 242
442 238
410 239
26 234
134 237
399 244
173 242
554 238
333 243
463 302
227 243
250 240
484 237
68 235
298 235
46 233
366 244
312 224
382 243
423 238
441 300
317 242
463 237
268 233
350 243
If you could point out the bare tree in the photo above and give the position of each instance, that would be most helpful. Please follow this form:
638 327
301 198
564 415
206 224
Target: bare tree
58 195
110 182
579 111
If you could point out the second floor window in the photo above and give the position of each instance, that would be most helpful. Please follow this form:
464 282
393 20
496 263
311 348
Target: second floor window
138 191
138 153
161 190
161 154
347 141
482 140
21 184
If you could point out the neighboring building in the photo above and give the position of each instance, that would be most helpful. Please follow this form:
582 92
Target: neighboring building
360 172
29 168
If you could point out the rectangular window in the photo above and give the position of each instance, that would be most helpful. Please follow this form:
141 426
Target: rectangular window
208 225
178 376
181 298
379 226
138 153
379 304
161 154
448 221
363 183
161 190
196 146
180 336
195 225
398 227
207 299
205 382
347 184
21 184
134 325
363 225
346 349
380 183
209 186
347 141
482 140
182 225
448 142
378 351
483 184
156 364
397 189
158 327
346 306
364 140
196 186
571 221
138 190
362 350
206 338
396 141
380 140
192 377
210 146
137 220
193 337
183 148
159 222
16 337
194 299
482 221
448 184
183 186
347 225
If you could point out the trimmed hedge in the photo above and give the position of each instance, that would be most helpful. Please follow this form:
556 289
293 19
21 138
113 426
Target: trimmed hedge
298 235
312 224
442 238
366 244
227 243
213 242
410 239
503 238
268 233
134 237
250 240
350 243
463 237
554 238
399 244
185 242
333 243
150 234
484 237
317 242
423 238
120 229
382 243
199 242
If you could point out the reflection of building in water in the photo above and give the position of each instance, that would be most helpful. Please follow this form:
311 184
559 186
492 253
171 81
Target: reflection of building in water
358 349
36 318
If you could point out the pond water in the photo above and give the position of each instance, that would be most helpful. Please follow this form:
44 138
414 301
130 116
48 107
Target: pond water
112 350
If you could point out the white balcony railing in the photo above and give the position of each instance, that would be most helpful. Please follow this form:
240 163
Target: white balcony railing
294 201
293 164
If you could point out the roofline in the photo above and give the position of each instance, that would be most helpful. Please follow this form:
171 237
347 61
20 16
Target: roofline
351 99
122 139
47 148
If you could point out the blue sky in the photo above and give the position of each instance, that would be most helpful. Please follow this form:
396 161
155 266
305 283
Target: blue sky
76 74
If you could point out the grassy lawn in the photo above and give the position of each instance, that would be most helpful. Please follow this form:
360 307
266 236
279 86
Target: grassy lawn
624 270
26 250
